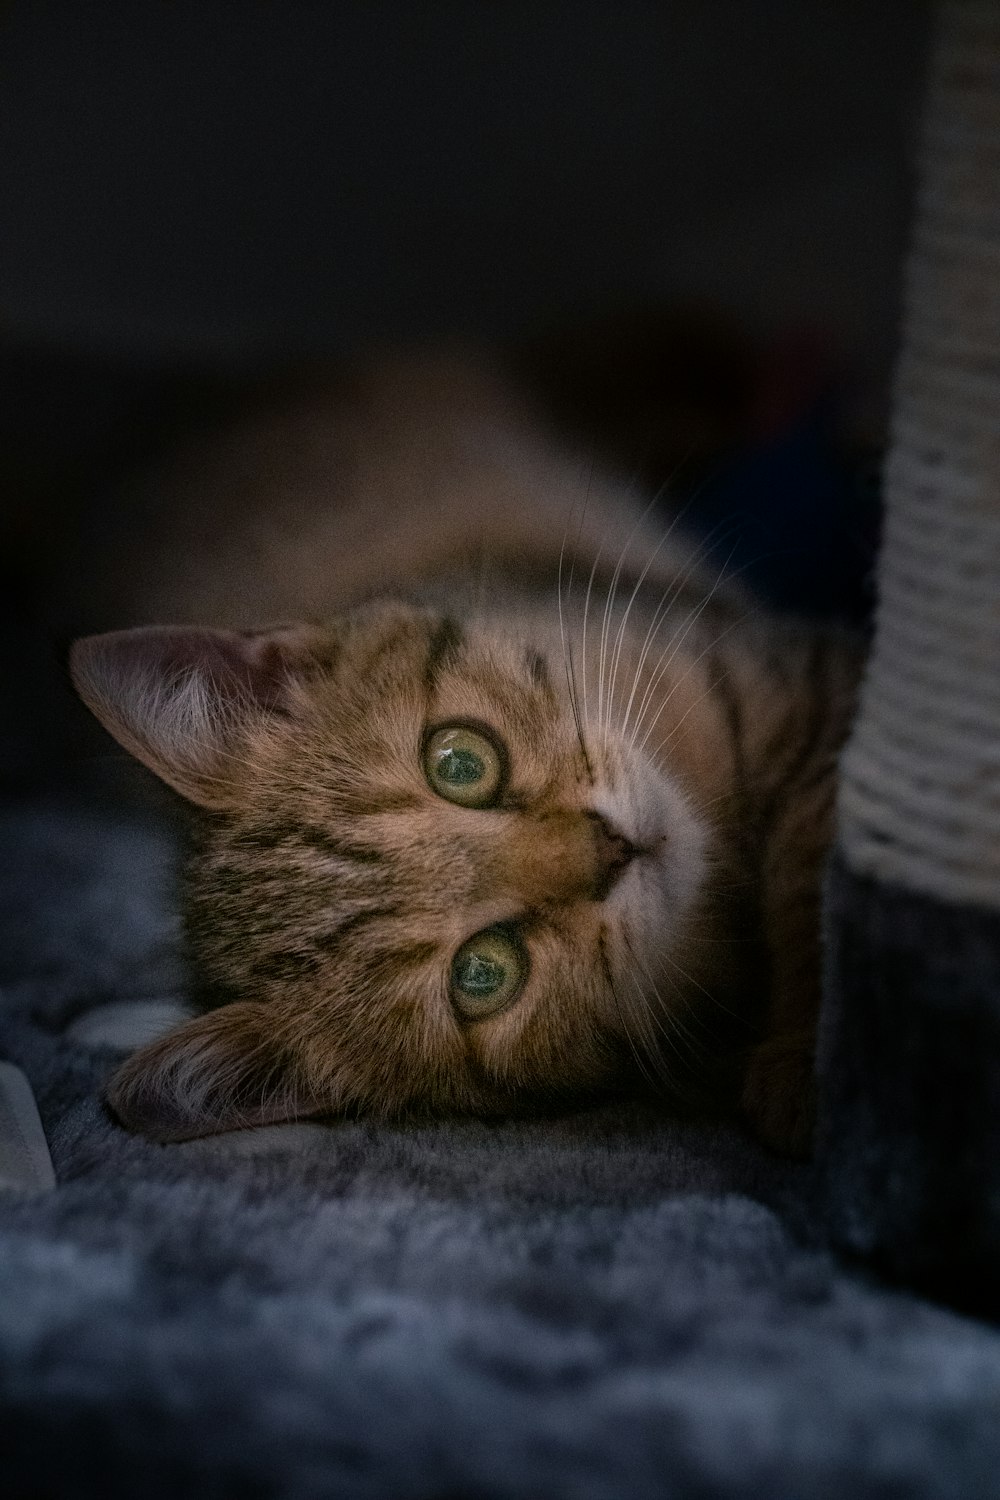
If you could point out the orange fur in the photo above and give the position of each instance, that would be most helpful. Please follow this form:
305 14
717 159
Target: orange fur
651 712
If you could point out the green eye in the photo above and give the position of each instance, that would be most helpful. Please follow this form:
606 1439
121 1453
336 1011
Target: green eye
464 766
487 973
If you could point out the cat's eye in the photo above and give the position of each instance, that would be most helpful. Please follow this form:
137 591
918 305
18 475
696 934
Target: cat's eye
487 973
464 765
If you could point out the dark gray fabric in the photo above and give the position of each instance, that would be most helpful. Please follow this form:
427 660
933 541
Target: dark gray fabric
910 1064
598 1306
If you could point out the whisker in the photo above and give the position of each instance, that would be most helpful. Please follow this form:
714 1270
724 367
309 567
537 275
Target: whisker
583 649
690 979
593 571
668 738
602 715
660 614
686 624
655 1066
620 637
669 653
664 1013
641 1061
559 604
571 684
705 651
691 621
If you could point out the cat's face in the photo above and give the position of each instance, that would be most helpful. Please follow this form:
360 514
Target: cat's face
422 886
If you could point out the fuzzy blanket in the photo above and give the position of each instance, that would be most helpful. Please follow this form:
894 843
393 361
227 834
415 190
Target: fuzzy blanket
605 1305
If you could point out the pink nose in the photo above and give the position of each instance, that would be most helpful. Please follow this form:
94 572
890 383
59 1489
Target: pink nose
613 853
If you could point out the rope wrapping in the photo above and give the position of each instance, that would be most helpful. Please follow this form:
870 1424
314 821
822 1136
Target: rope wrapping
908 1135
919 799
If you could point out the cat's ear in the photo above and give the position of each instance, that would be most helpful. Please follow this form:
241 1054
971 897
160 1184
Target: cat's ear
182 700
222 1071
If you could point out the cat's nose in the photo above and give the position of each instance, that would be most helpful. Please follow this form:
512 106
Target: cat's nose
613 855
561 858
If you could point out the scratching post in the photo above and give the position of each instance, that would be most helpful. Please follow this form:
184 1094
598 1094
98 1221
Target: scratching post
910 1045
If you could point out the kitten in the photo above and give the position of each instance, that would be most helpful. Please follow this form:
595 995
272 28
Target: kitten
524 809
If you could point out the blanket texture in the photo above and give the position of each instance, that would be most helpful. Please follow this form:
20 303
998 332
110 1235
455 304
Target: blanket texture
604 1305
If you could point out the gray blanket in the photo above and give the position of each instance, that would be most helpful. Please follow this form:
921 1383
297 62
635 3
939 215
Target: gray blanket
605 1305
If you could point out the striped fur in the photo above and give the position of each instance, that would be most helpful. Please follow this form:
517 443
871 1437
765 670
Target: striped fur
332 887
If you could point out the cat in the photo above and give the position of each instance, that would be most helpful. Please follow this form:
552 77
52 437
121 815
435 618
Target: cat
517 804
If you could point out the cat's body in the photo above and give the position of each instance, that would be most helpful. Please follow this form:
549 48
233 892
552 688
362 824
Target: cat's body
523 736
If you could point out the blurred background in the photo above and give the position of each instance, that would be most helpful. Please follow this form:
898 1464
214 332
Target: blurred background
684 221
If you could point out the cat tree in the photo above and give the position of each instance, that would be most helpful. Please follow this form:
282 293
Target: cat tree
910 1048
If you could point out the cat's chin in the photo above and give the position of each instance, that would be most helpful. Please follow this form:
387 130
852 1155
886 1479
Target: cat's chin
663 882
652 899
655 894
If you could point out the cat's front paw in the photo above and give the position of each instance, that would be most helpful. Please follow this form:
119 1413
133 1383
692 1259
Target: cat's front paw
779 1094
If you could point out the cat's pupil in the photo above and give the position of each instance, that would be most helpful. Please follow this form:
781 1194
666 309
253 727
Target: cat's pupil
460 767
480 976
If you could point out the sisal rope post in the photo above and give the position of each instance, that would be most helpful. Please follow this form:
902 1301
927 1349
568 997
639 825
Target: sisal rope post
920 791
910 1050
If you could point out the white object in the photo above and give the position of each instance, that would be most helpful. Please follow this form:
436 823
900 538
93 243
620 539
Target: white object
125 1025
25 1163
920 785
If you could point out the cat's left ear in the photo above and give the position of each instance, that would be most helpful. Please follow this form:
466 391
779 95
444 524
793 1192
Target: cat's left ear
221 1071
184 700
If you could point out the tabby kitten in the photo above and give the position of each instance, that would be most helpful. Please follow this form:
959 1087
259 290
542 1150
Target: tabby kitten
529 810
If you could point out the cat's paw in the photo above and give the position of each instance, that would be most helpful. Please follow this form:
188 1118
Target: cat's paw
779 1094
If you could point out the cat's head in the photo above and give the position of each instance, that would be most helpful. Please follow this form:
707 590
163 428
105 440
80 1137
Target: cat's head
422 886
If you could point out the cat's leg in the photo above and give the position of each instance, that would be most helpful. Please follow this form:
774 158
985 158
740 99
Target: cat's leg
793 700
779 1091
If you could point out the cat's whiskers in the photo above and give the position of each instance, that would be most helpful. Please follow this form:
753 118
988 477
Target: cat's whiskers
567 667
645 1021
690 979
604 702
583 648
649 1059
691 621
662 1013
620 636
567 647
680 633
706 650
668 657
705 806
602 647
654 501
662 610
707 693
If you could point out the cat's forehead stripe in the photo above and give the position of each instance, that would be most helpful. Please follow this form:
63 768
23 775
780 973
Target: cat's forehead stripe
445 643
538 671
291 834
331 940
287 963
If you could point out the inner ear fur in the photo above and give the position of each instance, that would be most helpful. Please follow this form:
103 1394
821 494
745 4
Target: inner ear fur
221 1071
182 700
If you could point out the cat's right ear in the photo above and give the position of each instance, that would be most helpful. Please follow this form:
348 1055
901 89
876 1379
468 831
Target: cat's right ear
222 1071
186 702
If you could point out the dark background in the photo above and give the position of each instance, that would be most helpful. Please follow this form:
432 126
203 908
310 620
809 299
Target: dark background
192 192
221 179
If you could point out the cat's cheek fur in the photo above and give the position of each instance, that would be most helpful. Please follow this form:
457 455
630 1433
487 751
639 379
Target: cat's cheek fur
222 1071
657 893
